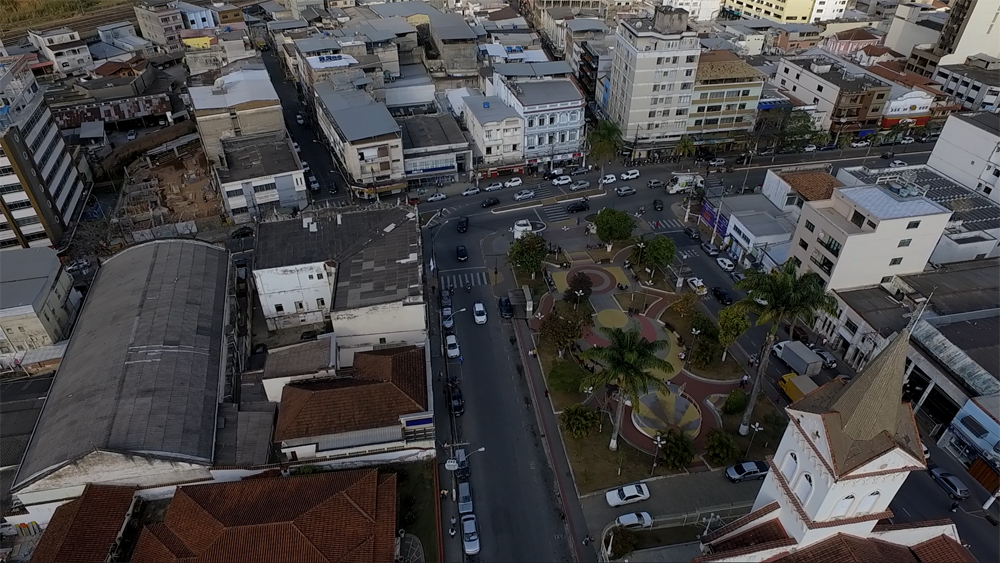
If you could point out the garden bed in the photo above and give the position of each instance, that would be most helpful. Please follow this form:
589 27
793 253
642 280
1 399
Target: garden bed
597 468
718 370
415 510
772 421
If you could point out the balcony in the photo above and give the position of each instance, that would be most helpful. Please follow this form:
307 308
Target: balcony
830 244
824 263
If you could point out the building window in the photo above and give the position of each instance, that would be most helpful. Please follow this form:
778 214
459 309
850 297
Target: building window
880 96
851 326
858 219
279 308
803 244
789 466
867 504
804 488
912 225
810 227
886 279
715 108
904 243
819 87
320 302
651 114
691 58
895 261
697 122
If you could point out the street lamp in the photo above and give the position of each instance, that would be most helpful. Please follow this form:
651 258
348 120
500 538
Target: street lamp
658 440
579 296
756 427
462 310
482 449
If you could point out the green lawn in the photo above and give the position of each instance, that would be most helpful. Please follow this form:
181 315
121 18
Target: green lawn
415 510
597 468
718 370
772 421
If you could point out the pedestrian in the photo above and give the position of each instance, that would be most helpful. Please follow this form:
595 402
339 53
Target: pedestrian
546 393
452 532
743 382
440 373
453 520
461 360
444 493
750 361
577 220
954 506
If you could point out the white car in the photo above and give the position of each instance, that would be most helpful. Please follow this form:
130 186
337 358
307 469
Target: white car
630 174
579 185
623 191
451 345
524 194
758 300
513 183
809 148
472 190
697 286
437 197
131 135
726 264
907 141
299 119
897 164
562 181
470 534
296 147
305 166
479 313
627 494
493 187
609 179
717 162
634 520
859 144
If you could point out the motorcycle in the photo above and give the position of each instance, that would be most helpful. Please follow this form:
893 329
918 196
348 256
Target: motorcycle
468 288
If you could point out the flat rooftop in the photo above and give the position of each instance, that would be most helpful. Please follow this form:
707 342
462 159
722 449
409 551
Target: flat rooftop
812 185
987 77
763 224
26 275
982 119
839 74
533 70
355 113
959 287
541 92
489 109
977 338
878 308
428 131
721 65
254 157
240 87
883 204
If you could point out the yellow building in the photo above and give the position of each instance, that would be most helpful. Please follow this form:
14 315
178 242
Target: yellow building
785 11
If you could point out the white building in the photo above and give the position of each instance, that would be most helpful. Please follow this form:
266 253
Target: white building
914 24
790 187
975 84
259 175
845 453
69 54
970 29
497 131
123 36
968 150
703 10
865 235
195 17
37 300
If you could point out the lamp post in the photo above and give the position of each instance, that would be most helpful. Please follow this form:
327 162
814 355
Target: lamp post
756 427
482 449
451 316
658 441
579 296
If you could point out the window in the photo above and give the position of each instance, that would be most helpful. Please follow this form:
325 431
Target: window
701 109
842 507
651 114
819 87
867 504
697 122
688 72
786 70
912 225
880 97
741 106
804 488
858 219
717 107
703 96
319 276
895 261
298 306
712 121
810 227
745 93
320 302
803 244
682 111
279 308
876 109
691 58
782 81
687 85
885 279
851 326
789 466
904 243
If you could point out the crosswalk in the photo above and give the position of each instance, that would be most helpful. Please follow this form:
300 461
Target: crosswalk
443 214
555 212
665 224
463 279
685 254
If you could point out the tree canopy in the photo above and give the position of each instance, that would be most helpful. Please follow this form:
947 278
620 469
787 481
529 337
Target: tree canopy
527 252
613 225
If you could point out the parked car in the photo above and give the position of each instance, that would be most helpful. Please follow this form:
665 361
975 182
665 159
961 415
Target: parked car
710 249
624 191
296 147
309 335
437 197
577 206
829 360
490 202
658 204
717 162
299 119
630 174
461 253
494 186
809 148
464 497
473 190
242 232
692 233
655 184
722 296
580 170
627 494
305 166
562 181
951 484
609 179
457 401
523 195
697 286
725 263
830 147
737 276
131 135
463 224
858 144
907 141
470 534
897 164
579 185
767 152
313 183
479 313
451 346
746 471
506 309
447 318
513 182
634 520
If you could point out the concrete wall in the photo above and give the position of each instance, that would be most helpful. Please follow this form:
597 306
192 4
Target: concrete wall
217 124
363 328
308 285
970 156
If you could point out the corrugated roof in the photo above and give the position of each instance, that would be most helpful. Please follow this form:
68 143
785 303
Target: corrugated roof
489 109
242 86
882 204
533 93
356 115
536 70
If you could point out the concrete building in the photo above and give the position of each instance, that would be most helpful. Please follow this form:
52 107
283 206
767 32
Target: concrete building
726 92
790 187
914 24
578 32
969 151
226 14
975 84
592 61
160 23
455 49
42 190
37 301
213 48
195 17
364 138
848 42
652 79
558 24
296 7
435 152
69 54
970 29
258 175
795 11
320 57
864 235
497 131
241 103
752 226
122 35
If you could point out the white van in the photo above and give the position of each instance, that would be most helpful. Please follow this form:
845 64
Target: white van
681 183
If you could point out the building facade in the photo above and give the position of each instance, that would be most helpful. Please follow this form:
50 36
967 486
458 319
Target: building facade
975 84
63 46
970 29
435 152
37 300
725 97
160 23
795 11
969 152
498 134
258 175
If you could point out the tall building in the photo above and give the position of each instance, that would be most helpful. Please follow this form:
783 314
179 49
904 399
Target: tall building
726 92
971 28
652 79
40 187
161 23
801 11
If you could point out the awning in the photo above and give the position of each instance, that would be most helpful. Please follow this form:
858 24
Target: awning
973 426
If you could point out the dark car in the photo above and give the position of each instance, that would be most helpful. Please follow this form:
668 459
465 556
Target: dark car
658 205
722 295
692 233
887 155
491 201
242 232
829 147
309 335
746 470
461 253
577 207
463 224
506 309
457 401
951 484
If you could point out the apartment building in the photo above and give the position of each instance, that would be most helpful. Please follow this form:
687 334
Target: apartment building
497 131
41 191
975 84
122 35
971 28
851 100
258 175
914 24
37 300
800 11
652 79
968 151
726 92
160 22
196 17
69 54
865 235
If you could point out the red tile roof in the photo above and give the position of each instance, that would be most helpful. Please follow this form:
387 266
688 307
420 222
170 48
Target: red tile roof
856 34
85 528
844 548
339 516
942 549
769 531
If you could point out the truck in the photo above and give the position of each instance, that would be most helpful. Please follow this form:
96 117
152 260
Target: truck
681 182
799 357
796 386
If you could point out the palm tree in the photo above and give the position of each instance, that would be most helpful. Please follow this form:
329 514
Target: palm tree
778 296
685 147
605 139
627 360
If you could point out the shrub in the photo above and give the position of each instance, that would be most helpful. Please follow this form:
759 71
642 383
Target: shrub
684 306
720 446
705 353
677 450
579 282
735 402
579 420
566 376
624 543
705 326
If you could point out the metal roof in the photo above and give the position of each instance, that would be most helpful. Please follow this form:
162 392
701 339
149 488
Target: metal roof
26 275
242 86
489 109
883 204
142 370
536 70
539 92
355 114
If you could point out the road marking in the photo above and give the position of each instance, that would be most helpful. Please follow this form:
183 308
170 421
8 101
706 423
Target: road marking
663 224
555 213
461 280
462 269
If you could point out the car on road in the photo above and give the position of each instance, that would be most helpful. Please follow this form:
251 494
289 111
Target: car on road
658 204
554 173
463 224
829 360
725 263
479 313
746 471
464 497
627 494
717 162
447 318
858 144
609 179
513 183
451 346
461 253
457 401
506 308
437 197
887 155
492 187
710 249
305 166
470 534
299 119
242 232
897 164
692 233
634 520
524 194
296 147
655 184
562 181
722 296
577 207
951 484
579 185
809 148
830 147
490 202
624 191
580 170
697 286
630 174
907 141
737 276
313 183
131 135
767 152
473 190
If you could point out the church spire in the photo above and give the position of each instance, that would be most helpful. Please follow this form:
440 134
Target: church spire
869 404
